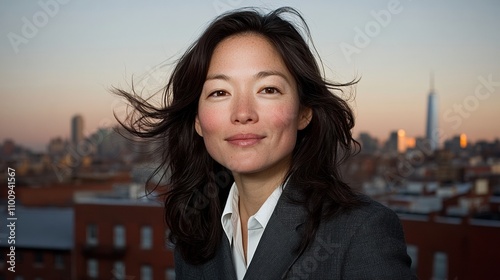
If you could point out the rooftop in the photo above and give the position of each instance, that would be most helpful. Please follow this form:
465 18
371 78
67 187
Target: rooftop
40 228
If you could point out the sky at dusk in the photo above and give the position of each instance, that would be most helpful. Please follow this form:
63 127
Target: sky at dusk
60 58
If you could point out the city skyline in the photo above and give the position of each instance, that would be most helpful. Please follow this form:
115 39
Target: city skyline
68 62
397 139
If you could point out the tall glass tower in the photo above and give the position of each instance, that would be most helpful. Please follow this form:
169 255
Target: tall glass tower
432 129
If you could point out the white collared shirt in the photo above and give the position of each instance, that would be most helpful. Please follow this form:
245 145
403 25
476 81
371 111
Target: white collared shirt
256 224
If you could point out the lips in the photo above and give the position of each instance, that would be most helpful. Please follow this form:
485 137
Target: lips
244 140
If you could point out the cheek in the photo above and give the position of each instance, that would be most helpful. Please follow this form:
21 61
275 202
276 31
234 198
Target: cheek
210 121
284 123
284 117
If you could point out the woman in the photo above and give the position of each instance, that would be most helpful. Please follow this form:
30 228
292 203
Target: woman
253 137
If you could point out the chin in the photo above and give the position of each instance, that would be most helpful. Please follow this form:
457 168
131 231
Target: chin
244 169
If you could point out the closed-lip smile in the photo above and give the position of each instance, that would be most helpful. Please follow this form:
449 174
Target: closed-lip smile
247 139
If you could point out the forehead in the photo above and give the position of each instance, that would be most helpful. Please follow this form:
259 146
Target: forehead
246 38
246 50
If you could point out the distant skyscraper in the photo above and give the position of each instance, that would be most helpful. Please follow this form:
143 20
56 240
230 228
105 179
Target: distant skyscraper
431 132
456 144
396 142
76 130
369 145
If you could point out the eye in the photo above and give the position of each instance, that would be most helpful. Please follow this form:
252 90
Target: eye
218 93
270 90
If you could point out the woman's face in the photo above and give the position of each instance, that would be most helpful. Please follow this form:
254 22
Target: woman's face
249 111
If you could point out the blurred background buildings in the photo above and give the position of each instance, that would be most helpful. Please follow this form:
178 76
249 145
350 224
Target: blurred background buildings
81 201
85 213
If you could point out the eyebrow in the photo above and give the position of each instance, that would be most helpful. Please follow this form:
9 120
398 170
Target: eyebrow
263 74
217 77
260 75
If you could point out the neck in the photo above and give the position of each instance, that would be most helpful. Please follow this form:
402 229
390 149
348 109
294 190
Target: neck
255 188
253 193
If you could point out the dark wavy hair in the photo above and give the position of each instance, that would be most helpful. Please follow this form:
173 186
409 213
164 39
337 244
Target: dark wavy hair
198 186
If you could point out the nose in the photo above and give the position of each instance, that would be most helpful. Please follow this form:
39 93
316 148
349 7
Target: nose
244 109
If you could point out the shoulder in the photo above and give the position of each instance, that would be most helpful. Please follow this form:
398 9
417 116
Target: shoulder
367 227
368 213
370 207
369 241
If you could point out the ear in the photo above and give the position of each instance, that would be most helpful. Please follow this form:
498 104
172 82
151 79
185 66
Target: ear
197 126
305 116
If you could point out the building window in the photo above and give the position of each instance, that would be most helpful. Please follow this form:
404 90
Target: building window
59 261
119 236
92 268
146 237
146 272
170 274
38 258
440 270
92 234
412 251
119 270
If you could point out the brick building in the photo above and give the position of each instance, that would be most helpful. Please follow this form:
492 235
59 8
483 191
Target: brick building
453 247
452 231
43 244
121 238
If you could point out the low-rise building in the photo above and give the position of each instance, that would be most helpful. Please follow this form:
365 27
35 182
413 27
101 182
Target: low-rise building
121 236
43 244
444 247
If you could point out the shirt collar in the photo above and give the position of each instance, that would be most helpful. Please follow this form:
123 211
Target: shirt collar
231 218
266 210
227 215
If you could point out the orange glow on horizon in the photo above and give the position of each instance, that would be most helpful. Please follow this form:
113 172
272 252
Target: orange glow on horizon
401 141
463 141
411 142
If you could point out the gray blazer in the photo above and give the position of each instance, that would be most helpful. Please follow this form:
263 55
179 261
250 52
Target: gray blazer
365 243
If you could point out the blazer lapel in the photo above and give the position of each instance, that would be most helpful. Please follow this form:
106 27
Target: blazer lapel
278 246
221 266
